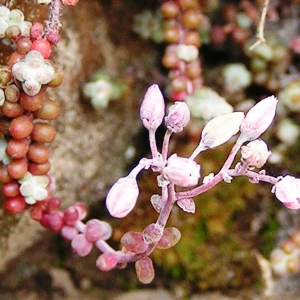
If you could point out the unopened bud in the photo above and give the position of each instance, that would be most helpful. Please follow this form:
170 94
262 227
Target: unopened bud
152 109
178 116
287 191
122 197
218 131
182 171
255 153
259 118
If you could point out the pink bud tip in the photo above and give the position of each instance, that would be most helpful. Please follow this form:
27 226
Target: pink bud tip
107 261
152 109
122 197
81 246
178 116
259 118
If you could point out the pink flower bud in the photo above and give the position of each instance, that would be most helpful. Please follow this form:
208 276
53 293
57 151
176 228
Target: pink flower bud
255 153
259 118
144 270
81 246
122 197
181 171
178 116
152 109
107 261
287 191
96 229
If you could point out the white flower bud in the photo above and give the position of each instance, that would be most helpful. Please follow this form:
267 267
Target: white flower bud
122 197
255 153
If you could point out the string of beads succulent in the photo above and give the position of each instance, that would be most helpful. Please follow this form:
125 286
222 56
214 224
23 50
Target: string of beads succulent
182 19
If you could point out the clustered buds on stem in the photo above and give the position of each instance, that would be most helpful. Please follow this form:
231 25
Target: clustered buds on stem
25 110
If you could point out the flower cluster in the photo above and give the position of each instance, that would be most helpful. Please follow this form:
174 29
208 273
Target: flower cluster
13 21
33 72
285 258
206 104
34 188
101 89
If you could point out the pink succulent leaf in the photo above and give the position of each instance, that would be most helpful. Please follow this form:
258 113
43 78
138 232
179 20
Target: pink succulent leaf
156 202
81 246
69 232
107 261
81 209
122 197
152 109
259 118
144 270
96 229
178 116
187 205
134 242
152 233
171 237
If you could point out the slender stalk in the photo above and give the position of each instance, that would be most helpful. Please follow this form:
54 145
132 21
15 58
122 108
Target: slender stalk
165 145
